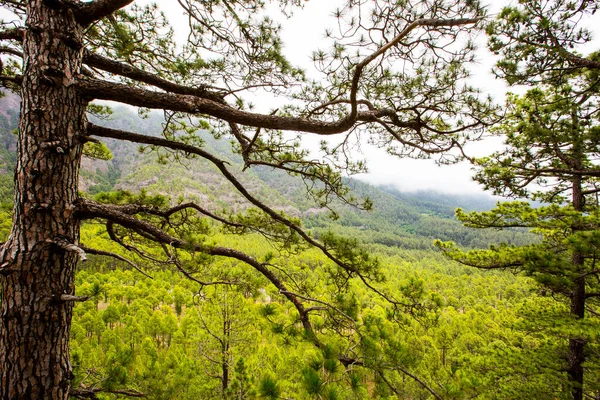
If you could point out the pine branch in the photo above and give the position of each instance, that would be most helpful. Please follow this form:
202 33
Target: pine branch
551 172
104 90
327 251
69 297
190 149
393 43
90 209
129 71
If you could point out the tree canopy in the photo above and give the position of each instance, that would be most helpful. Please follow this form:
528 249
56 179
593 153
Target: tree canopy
397 77
551 154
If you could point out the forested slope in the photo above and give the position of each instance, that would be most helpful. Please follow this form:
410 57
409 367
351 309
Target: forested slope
167 336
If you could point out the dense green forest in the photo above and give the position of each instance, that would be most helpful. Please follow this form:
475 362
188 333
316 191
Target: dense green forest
151 330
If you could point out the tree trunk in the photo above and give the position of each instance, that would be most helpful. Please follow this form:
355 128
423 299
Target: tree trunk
576 356
225 350
37 262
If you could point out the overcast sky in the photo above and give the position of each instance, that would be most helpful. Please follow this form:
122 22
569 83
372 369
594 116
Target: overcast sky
301 35
304 33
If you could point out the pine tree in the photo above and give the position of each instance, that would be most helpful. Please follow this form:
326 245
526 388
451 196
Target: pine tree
552 144
62 54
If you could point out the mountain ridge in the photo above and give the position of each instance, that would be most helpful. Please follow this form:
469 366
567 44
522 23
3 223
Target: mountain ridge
398 219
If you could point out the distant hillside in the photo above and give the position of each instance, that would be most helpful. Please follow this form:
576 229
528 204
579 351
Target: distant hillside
405 220
443 204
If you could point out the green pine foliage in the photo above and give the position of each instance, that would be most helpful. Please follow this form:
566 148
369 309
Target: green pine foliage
169 337
551 136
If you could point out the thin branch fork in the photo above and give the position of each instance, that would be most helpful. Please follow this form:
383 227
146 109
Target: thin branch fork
175 260
132 209
17 4
325 304
392 43
98 252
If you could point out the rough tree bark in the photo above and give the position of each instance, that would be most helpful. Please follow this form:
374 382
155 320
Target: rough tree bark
38 261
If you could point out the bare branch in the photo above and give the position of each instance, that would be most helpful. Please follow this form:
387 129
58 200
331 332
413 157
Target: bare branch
86 13
69 297
98 89
116 256
67 246
12 34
